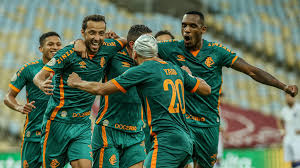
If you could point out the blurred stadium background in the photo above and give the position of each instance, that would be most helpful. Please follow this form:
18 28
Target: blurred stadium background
264 32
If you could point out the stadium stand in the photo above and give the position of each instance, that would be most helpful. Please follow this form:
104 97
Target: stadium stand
273 30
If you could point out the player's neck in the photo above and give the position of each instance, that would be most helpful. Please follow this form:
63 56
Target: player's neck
142 60
291 105
45 60
197 47
129 50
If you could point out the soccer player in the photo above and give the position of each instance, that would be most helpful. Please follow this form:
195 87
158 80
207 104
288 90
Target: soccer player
118 139
66 135
161 88
164 35
291 142
37 101
205 60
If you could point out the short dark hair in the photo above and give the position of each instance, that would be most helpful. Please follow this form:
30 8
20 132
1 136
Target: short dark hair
136 31
200 14
95 18
45 35
163 32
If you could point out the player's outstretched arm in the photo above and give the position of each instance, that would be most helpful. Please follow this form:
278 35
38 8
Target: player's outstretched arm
95 88
43 80
263 77
203 88
11 102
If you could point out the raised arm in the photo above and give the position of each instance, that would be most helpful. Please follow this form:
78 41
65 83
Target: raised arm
96 88
263 77
43 80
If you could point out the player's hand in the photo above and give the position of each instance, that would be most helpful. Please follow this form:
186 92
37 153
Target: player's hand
187 69
27 108
111 35
73 79
47 86
291 90
298 132
80 48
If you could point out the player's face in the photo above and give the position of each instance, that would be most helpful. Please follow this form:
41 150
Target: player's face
192 30
51 45
163 37
94 35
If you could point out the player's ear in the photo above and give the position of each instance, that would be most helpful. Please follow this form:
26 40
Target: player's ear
82 32
203 29
131 43
41 49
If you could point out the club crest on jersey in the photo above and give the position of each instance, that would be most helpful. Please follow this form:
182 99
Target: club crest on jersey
54 163
102 62
82 64
209 62
181 58
25 164
113 160
51 62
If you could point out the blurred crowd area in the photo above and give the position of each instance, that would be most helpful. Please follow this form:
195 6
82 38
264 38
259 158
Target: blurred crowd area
264 32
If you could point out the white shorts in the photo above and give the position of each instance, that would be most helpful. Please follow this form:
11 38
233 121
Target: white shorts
291 148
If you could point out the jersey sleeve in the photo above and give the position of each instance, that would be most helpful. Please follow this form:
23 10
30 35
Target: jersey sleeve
190 82
18 81
60 59
228 57
132 77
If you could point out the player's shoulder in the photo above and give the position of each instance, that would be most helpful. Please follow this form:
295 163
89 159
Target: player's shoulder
122 52
216 46
172 42
110 43
29 65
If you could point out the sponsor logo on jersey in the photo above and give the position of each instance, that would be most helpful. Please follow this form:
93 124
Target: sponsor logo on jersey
51 62
113 160
188 116
81 114
209 62
181 58
25 164
125 127
82 64
54 163
102 62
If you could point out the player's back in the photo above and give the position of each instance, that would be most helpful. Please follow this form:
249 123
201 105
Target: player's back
163 97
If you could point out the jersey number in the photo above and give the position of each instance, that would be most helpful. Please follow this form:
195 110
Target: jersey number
175 94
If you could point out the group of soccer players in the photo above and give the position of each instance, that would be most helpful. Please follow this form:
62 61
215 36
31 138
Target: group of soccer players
163 93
